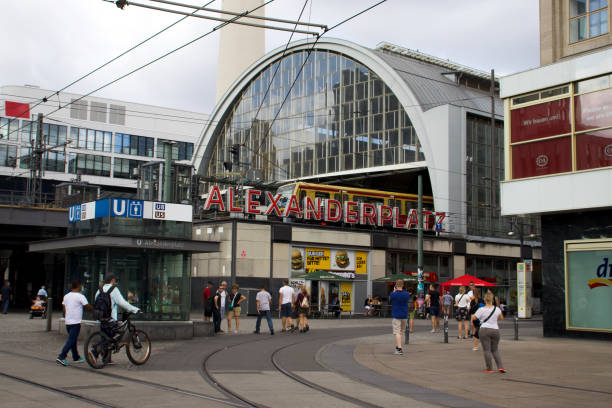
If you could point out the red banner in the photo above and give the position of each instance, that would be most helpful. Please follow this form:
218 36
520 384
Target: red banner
541 158
542 120
17 110
594 149
593 110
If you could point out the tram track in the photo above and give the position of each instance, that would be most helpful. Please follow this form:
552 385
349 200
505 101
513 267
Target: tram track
274 360
150 384
57 390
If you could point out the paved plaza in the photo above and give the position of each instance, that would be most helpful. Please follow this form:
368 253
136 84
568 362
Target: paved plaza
339 363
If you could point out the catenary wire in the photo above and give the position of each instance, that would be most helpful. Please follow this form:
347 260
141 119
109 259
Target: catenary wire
113 59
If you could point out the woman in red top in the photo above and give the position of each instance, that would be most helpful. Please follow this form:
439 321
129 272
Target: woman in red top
302 305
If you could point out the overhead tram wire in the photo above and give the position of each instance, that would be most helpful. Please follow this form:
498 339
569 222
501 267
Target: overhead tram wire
278 28
46 98
226 22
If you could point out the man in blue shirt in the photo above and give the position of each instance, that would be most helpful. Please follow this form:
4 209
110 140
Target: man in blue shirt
399 311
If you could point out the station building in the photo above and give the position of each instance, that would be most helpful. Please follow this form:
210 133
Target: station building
558 148
335 113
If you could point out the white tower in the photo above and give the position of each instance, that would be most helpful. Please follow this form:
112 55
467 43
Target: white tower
239 45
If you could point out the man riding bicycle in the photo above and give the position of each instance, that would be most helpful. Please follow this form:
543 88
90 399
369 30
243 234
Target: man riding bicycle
109 326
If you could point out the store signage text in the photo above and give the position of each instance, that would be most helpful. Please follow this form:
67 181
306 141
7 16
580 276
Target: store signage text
327 210
602 273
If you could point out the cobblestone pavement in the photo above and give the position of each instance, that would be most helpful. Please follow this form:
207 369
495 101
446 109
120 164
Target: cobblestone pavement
339 363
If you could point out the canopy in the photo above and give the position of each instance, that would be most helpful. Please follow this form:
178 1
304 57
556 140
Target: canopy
465 281
398 276
323 275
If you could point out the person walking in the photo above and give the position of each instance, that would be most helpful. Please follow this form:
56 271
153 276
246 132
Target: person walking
216 312
302 304
462 303
447 302
489 335
263 300
234 309
207 301
474 306
6 294
223 303
73 304
433 300
399 300
286 297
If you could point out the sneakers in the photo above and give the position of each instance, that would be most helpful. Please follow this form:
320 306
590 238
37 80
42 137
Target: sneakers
272 332
235 331
256 332
398 352
502 370
474 348
62 362
80 360
433 330
489 371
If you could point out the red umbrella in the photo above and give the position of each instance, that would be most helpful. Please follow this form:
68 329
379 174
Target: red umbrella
465 281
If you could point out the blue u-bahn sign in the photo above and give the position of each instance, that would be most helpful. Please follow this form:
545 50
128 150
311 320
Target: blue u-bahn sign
120 207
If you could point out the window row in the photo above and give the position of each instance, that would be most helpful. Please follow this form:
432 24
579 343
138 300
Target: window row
180 150
134 145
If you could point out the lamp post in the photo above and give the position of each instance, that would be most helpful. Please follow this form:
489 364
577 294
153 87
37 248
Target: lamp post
519 226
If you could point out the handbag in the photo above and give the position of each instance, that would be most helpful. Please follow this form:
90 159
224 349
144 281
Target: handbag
478 323
231 305
457 316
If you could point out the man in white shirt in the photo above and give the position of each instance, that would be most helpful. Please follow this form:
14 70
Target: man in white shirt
73 304
263 299
286 298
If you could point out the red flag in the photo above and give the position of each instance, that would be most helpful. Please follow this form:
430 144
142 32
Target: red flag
16 109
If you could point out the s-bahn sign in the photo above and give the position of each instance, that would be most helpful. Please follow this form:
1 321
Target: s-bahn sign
257 202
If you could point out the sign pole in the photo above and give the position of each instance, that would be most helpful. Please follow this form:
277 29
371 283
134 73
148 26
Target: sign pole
420 235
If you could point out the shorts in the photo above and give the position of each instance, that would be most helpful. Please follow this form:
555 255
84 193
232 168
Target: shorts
434 311
303 310
235 312
411 315
286 310
462 314
399 325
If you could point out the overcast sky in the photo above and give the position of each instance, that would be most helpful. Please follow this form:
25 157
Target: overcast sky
50 43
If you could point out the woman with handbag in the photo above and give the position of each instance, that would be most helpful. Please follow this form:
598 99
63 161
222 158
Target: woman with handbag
489 335
461 303
302 305
234 309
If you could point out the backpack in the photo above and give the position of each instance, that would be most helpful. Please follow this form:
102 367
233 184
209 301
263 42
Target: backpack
103 305
304 303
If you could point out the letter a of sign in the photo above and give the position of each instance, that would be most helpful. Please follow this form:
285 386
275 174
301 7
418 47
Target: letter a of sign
214 197
292 207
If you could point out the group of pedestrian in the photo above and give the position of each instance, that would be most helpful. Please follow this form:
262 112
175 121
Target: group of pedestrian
482 313
222 305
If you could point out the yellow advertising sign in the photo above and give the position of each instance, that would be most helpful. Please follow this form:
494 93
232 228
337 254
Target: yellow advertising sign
345 296
317 259
361 262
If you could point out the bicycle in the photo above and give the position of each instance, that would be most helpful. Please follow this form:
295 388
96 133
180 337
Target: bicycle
100 346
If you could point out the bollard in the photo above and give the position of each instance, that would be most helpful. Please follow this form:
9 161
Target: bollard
445 329
49 313
407 335
516 336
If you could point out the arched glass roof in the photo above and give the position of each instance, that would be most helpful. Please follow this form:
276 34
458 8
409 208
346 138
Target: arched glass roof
338 116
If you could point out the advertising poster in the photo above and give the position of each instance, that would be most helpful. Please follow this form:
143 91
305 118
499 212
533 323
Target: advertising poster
297 284
589 290
523 282
345 296
342 260
297 259
361 262
317 259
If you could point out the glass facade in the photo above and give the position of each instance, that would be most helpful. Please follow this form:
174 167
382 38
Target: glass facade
180 150
588 18
339 115
134 145
483 214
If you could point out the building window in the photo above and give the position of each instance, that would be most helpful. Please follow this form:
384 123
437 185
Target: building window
134 145
9 128
124 168
588 19
90 139
89 164
8 155
180 150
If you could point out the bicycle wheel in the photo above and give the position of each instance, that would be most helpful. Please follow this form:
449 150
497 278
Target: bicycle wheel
138 348
97 353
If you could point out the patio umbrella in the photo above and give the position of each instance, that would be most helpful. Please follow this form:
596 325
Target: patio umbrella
323 275
465 281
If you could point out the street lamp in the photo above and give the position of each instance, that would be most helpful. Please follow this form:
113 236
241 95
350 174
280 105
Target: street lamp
520 226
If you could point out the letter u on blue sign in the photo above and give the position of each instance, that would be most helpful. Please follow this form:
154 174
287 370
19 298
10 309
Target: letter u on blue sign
119 208
74 213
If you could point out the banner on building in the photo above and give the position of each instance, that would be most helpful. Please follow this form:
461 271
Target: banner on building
361 262
317 259
125 208
346 289
523 282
